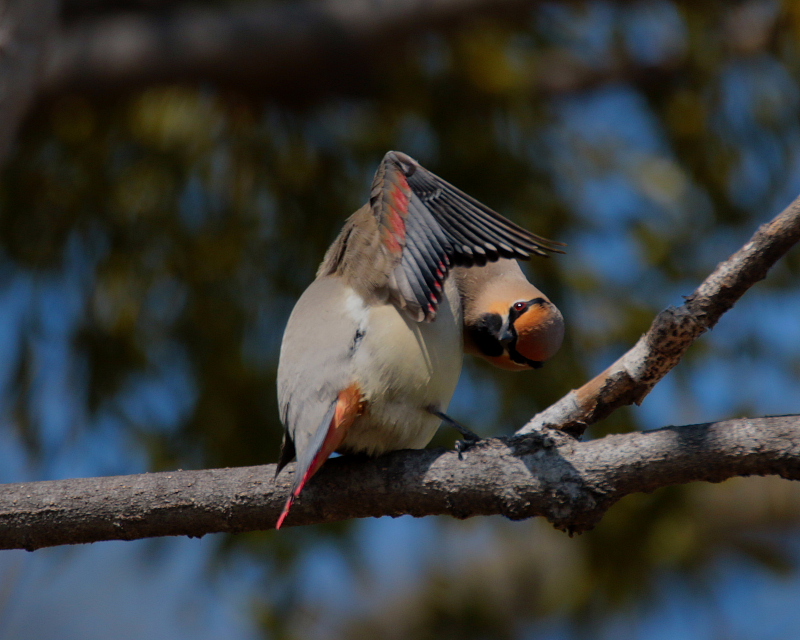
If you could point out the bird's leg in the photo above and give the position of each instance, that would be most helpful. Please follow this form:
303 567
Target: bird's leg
470 438
468 435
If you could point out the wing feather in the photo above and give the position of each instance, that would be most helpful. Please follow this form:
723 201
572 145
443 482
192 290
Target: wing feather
427 226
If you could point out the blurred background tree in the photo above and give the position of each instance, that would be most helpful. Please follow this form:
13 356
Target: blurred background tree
169 197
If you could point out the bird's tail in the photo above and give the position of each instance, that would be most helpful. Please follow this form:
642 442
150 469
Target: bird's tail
342 413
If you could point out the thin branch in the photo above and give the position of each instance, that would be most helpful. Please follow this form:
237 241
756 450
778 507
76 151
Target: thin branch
673 331
547 474
25 26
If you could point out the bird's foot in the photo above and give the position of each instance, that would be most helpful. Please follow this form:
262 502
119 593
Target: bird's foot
470 438
465 445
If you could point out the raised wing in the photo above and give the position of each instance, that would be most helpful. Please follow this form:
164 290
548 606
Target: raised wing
429 226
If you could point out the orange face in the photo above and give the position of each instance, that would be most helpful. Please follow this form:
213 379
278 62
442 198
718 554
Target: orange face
540 331
535 334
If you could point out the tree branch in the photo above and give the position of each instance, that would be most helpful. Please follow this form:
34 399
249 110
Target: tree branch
673 331
544 472
547 474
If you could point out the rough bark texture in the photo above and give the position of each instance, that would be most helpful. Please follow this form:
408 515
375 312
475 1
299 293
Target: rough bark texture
673 331
24 28
546 474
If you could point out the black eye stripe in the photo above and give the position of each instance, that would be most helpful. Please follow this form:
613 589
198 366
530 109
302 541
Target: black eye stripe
514 312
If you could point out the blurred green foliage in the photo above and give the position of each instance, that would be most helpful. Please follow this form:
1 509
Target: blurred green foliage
181 223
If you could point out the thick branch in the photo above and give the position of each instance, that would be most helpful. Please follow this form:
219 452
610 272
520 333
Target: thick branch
673 331
24 28
544 474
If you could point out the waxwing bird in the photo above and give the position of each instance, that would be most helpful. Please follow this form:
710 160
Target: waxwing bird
507 320
372 351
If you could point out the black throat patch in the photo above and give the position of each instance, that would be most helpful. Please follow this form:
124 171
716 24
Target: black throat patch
484 334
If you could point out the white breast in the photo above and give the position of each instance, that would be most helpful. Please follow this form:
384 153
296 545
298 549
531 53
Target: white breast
404 367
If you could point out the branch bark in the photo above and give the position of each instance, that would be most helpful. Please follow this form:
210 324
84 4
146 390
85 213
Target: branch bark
673 331
547 474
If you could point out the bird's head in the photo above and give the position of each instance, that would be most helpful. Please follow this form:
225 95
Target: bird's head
516 334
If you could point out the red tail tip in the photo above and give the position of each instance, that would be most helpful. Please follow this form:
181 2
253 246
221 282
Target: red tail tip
285 512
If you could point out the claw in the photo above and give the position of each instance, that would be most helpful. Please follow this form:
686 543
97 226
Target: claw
470 438
464 445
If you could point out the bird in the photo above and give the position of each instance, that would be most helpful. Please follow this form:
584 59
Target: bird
372 350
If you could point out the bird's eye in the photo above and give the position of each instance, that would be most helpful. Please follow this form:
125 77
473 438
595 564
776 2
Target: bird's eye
520 306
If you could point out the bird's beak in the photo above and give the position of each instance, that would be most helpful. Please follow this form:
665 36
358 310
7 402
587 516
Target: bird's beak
507 333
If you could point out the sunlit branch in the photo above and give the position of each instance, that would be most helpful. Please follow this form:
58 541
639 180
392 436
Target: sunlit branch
673 331
547 474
